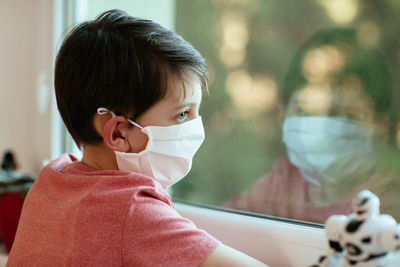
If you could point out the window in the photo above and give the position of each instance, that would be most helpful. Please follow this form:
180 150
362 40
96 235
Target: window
302 111
303 105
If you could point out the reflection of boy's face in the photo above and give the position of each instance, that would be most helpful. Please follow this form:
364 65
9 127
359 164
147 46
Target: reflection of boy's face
353 104
179 105
324 94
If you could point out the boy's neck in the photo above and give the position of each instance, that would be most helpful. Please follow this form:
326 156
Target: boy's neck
99 157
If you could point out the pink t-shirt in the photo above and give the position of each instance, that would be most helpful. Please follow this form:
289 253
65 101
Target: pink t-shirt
283 193
77 216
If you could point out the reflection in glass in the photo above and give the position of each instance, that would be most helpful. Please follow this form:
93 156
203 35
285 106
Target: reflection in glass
265 70
332 131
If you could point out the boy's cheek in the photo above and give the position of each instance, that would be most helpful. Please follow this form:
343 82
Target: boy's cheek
137 141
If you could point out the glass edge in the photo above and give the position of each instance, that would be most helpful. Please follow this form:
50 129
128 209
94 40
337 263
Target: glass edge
252 214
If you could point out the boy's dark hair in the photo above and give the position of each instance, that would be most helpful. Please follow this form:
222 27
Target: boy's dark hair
121 63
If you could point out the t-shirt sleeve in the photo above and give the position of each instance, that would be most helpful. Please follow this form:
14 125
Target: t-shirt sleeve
156 235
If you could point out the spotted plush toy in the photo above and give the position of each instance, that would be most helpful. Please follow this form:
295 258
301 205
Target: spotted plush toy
363 238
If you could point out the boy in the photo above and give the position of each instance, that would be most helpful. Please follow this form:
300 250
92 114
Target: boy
129 93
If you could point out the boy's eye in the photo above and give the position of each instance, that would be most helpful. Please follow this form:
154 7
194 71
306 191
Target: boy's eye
182 116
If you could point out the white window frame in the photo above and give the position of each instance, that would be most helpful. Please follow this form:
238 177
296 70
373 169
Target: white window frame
273 241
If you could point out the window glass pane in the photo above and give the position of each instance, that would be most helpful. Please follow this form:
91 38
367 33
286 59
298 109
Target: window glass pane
160 11
303 107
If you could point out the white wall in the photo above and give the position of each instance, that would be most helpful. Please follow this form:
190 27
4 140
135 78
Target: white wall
26 55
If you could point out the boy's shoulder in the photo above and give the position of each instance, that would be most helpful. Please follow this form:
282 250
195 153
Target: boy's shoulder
67 172
125 211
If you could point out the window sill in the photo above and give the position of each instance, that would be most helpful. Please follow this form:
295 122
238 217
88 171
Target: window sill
274 241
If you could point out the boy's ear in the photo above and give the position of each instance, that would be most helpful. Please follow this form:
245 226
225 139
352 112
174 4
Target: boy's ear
115 134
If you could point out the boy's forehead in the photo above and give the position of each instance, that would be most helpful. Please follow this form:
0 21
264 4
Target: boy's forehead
317 100
186 89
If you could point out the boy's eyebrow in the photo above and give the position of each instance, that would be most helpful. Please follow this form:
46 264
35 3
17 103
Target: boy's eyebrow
185 105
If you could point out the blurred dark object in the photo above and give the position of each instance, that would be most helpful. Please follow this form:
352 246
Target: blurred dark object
10 211
9 162
12 180
14 186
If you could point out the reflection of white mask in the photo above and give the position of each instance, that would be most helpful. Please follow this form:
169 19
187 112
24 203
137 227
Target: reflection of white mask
169 151
328 149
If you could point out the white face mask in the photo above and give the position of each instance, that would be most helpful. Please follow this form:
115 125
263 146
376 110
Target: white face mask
329 149
169 151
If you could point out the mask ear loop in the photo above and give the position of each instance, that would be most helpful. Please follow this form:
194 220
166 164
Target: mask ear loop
134 123
103 111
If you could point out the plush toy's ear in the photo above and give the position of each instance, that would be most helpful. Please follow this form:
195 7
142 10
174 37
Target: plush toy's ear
115 134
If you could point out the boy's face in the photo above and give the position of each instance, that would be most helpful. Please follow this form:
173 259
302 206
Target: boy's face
350 102
347 100
180 104
330 89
